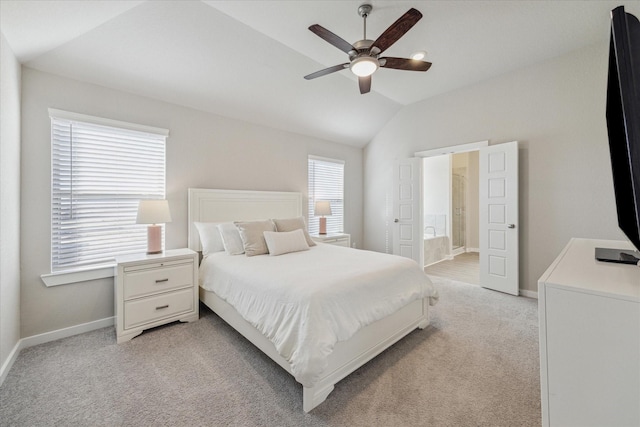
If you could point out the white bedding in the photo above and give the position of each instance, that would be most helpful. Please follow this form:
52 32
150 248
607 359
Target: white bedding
305 302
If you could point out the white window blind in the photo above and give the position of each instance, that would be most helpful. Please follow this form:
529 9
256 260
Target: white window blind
101 169
326 182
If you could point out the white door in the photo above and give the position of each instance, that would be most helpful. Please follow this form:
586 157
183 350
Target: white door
407 210
499 217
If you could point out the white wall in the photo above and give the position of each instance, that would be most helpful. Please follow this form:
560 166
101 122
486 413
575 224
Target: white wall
437 185
9 201
203 150
556 110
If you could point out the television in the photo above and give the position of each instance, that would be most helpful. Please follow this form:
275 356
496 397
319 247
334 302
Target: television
623 126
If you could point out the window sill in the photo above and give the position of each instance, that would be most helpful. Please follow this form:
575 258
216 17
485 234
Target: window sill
67 277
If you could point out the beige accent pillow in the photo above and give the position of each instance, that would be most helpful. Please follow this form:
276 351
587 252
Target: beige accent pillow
285 242
252 235
291 224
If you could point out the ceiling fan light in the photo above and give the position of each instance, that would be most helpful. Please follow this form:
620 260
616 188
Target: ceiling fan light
364 66
420 55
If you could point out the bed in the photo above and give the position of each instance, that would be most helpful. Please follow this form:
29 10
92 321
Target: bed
331 355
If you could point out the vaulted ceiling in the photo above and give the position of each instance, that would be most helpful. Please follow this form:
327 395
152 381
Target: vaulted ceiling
246 59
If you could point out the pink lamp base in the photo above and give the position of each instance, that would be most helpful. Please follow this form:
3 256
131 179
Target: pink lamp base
323 225
154 239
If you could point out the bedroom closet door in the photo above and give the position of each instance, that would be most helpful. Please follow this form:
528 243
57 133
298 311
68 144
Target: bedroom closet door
499 217
407 210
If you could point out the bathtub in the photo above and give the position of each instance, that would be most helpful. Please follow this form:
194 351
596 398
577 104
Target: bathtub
436 249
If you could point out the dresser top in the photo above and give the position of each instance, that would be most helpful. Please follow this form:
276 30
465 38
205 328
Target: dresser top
577 268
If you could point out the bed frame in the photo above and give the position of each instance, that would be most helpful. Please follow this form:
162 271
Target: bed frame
227 205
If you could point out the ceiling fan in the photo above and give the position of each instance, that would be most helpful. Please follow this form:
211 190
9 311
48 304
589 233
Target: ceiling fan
364 55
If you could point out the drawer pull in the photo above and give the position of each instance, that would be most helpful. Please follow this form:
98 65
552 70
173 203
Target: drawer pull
162 306
162 280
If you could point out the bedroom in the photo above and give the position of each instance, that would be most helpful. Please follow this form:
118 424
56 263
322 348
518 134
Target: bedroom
555 108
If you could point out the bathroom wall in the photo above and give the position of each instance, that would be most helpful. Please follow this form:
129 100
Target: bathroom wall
437 188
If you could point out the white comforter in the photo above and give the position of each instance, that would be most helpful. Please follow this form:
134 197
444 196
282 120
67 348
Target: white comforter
305 302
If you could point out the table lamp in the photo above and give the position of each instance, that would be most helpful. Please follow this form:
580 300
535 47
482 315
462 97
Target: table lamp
322 209
155 213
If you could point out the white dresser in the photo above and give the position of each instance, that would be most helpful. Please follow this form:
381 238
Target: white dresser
338 239
589 314
152 290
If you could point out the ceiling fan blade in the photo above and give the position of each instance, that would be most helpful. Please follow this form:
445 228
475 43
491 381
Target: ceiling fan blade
327 71
365 84
328 36
397 30
404 64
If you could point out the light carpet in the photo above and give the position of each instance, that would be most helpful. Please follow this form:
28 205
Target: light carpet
477 364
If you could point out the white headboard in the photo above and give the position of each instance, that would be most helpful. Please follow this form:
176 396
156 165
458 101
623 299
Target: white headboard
206 205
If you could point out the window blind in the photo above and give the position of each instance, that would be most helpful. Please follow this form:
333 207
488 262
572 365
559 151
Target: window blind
99 174
326 182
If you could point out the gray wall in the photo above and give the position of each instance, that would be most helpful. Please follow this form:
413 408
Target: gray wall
556 110
203 150
9 201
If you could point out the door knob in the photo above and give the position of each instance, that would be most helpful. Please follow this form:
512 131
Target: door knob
396 220
511 226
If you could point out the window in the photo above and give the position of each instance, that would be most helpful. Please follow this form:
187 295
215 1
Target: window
326 182
100 170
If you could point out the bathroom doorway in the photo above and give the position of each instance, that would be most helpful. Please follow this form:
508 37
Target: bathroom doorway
497 192
451 216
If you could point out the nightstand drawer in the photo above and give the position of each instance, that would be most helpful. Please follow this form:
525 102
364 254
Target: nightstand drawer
147 310
155 280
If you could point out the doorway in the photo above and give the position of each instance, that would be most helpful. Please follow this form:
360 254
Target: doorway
498 211
451 222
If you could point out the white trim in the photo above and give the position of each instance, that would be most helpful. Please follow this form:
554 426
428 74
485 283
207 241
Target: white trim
473 250
67 115
446 258
51 336
528 294
462 148
67 332
458 251
326 159
67 277
6 366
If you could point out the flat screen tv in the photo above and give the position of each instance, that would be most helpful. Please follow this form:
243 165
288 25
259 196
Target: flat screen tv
623 125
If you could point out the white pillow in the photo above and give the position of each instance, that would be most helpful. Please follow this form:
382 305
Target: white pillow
231 238
210 238
252 235
285 242
290 224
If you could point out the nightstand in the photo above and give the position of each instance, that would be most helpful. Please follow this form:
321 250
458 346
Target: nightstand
338 239
152 290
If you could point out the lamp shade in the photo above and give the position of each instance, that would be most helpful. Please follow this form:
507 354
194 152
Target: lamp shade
322 208
153 212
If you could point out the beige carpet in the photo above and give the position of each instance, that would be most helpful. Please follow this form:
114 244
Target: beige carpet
476 365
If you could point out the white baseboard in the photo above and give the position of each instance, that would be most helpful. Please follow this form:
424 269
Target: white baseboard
67 332
473 250
6 366
528 294
51 336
